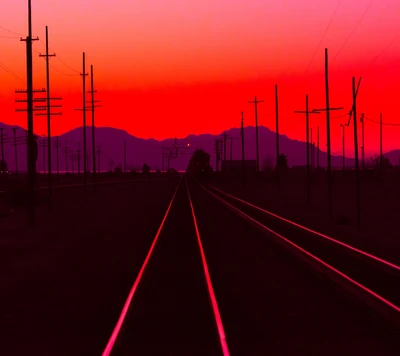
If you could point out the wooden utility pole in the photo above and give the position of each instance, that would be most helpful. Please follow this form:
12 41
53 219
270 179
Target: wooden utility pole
43 143
49 113
99 152
255 102
356 153
312 153
380 142
78 153
242 134
343 163
363 141
318 149
307 112
328 109
15 150
65 151
277 124
3 163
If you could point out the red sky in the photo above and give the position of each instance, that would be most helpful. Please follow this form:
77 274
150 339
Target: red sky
166 68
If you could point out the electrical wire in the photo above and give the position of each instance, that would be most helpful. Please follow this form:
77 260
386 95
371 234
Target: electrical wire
9 71
15 33
58 57
383 123
323 36
352 31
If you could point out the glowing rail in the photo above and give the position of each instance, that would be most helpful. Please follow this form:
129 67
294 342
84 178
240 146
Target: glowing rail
217 314
115 333
387 263
333 269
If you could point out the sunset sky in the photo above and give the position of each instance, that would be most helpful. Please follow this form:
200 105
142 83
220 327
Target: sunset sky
166 68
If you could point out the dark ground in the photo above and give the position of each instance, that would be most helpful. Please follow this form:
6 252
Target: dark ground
64 283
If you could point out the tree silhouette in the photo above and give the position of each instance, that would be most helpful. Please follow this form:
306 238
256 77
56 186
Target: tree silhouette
282 164
375 162
268 164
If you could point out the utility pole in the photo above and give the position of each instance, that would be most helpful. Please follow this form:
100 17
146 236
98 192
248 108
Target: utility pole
343 125
356 153
3 163
318 149
312 153
31 140
255 102
92 109
47 56
15 150
380 142
65 151
78 152
84 109
277 124
224 147
72 161
307 112
363 141
328 109
242 134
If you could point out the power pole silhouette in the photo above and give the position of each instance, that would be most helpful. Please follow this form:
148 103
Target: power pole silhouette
363 141
343 126
72 161
99 152
92 109
354 110
49 114
3 138
57 145
31 139
318 149
255 102
277 124
307 112
242 134
312 153
84 74
328 133
78 152
66 151
15 150
380 142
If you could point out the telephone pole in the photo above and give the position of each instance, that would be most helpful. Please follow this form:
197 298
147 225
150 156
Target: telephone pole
78 152
356 153
3 163
66 151
277 124
31 139
47 56
318 148
255 102
15 150
363 141
380 142
242 134
43 143
92 109
307 112
84 109
328 109
312 152
343 125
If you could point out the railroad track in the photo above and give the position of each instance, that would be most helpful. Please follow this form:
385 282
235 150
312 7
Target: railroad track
375 280
172 306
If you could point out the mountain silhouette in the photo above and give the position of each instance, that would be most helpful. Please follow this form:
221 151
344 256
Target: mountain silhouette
140 151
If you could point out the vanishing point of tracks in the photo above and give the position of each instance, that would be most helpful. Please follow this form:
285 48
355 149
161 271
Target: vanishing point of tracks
213 284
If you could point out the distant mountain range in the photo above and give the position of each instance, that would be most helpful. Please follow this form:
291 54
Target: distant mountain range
139 151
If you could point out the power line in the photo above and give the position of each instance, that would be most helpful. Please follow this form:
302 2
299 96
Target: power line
383 123
389 45
74 70
323 36
15 33
12 37
9 71
352 31
59 71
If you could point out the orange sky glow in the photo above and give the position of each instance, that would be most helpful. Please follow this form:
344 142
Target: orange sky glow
166 68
